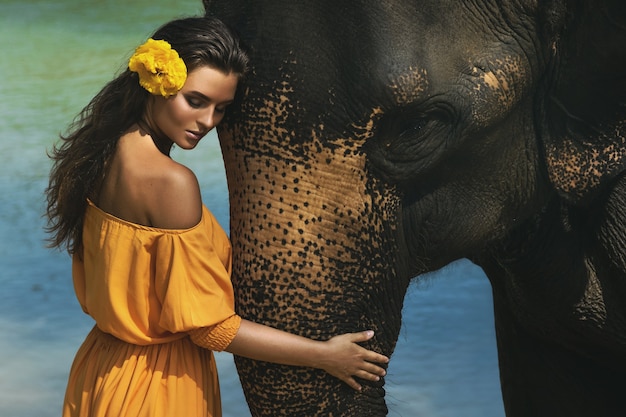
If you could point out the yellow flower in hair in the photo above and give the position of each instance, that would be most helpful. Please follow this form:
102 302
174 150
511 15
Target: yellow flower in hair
161 70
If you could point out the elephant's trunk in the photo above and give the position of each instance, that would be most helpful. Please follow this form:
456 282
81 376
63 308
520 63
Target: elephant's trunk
316 255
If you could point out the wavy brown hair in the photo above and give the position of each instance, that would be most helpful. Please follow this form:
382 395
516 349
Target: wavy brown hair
81 157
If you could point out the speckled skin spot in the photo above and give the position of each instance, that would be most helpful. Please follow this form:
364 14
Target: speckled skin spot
409 86
576 168
496 87
501 81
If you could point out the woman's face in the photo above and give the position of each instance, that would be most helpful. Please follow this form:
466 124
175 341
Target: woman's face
196 109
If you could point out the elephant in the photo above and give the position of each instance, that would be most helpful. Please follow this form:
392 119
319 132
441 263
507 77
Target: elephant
375 141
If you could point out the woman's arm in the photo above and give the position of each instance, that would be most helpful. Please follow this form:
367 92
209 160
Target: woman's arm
340 356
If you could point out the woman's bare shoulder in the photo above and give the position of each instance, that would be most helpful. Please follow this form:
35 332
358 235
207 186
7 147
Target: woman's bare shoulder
146 187
177 202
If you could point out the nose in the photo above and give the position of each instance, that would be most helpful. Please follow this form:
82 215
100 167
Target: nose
210 118
207 119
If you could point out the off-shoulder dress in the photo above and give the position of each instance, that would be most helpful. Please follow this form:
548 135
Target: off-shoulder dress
162 301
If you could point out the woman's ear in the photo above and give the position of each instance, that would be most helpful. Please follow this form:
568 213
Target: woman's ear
584 110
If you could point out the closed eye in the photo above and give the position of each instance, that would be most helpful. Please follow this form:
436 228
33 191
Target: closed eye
195 102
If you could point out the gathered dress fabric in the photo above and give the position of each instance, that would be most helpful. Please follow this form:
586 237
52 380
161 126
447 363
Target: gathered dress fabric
162 301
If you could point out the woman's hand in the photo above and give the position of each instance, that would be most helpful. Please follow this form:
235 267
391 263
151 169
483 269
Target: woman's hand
340 356
346 359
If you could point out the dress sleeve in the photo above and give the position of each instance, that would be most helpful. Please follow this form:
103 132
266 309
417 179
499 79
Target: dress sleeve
192 279
217 337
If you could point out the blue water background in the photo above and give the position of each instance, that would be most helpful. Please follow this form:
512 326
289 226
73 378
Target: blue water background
55 56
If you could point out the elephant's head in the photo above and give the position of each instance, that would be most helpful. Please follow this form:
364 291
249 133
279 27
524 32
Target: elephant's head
379 140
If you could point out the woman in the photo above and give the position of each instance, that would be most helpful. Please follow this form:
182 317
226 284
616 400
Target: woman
150 263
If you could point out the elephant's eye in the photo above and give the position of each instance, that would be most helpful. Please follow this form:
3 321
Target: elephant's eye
410 128
402 129
407 141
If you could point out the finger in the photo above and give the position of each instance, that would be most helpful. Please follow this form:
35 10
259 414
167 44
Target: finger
373 369
361 336
370 367
372 356
367 376
352 383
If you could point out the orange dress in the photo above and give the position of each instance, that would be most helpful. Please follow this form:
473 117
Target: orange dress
162 300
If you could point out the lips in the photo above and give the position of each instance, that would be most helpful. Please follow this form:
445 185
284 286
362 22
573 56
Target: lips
195 135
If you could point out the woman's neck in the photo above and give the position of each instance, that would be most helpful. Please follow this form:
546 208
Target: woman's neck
162 142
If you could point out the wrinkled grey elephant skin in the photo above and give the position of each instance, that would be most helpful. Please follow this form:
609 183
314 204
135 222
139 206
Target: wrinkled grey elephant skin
375 141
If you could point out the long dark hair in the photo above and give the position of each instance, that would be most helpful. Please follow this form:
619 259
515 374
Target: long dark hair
81 158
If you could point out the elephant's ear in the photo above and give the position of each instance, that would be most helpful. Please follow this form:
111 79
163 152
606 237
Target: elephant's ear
585 109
